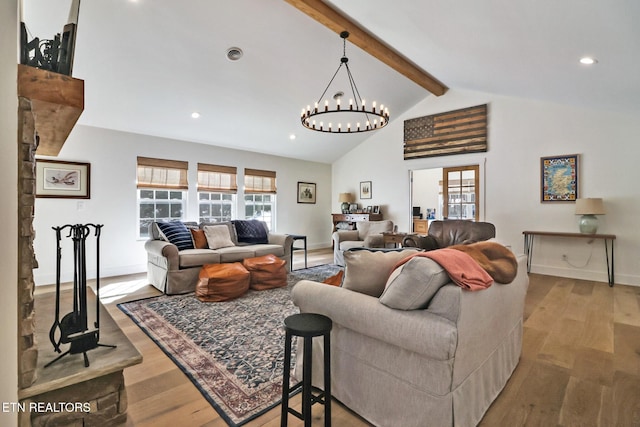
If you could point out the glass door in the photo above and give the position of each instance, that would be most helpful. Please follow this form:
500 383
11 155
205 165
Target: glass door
460 192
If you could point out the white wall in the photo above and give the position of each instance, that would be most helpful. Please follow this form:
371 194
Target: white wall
426 189
113 155
9 208
520 132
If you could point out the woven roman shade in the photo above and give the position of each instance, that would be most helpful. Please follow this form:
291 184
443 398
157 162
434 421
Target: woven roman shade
258 181
160 173
217 179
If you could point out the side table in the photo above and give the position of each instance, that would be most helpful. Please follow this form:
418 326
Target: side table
298 248
394 238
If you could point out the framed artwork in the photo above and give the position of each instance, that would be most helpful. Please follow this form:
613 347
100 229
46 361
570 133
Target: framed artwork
365 189
306 192
64 180
353 207
559 178
376 209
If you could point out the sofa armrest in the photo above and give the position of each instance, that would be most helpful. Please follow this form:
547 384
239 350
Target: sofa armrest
487 318
283 240
343 235
160 248
418 331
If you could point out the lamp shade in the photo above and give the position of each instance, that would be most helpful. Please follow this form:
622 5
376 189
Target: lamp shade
345 198
589 206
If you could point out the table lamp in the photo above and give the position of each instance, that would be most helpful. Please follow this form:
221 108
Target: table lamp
345 199
589 208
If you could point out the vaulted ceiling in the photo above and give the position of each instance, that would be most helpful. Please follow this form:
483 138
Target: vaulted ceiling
148 64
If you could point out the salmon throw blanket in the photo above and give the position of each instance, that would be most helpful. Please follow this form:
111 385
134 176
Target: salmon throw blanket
475 266
494 258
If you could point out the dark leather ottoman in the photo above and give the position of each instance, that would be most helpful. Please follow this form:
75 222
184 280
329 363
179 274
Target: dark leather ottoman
267 272
222 282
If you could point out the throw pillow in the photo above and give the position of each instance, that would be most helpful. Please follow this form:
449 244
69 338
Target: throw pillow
367 271
251 231
177 233
218 236
412 285
199 238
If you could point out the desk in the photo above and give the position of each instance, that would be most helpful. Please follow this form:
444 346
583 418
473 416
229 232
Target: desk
607 238
295 248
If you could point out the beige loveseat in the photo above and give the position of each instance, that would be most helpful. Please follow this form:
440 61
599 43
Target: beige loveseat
176 271
438 365
368 234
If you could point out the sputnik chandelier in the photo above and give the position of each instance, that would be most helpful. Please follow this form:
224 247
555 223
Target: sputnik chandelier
352 118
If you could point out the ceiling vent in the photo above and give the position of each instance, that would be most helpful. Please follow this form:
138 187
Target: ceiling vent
234 53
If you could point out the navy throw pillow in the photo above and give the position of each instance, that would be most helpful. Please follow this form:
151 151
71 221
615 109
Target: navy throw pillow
176 233
251 231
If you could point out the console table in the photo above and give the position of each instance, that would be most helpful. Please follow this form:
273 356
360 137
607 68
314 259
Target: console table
351 218
607 238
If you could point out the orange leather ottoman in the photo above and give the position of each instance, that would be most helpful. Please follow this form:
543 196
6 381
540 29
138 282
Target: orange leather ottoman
222 282
267 272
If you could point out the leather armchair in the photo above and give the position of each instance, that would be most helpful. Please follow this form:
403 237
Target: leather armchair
451 232
368 234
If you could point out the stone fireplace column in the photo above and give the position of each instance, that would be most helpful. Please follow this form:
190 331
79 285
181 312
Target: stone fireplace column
27 346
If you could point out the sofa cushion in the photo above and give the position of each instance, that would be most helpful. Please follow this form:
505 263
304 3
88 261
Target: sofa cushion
412 285
260 250
366 228
251 231
367 271
198 257
176 233
199 238
236 253
218 236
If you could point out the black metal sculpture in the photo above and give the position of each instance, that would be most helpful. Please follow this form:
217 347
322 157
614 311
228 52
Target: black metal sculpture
73 328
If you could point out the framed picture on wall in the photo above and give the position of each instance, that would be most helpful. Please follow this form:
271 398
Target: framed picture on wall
306 192
559 178
365 189
64 180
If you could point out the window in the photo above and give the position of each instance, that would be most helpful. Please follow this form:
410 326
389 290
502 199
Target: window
460 191
260 195
217 188
162 195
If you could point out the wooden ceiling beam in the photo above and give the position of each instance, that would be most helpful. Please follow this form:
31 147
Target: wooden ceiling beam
335 21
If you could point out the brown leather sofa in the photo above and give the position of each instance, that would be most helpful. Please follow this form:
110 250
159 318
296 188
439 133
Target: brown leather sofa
451 232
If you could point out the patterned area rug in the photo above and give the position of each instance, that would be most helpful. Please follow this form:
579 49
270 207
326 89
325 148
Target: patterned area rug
232 351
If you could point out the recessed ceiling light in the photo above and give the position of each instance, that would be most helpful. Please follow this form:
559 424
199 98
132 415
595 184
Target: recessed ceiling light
292 136
195 115
587 60
234 53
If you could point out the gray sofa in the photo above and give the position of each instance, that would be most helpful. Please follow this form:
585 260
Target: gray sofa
176 271
442 365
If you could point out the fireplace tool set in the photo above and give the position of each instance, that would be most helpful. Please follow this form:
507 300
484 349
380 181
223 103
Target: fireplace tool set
73 328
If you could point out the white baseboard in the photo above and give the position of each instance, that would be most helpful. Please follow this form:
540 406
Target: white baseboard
597 276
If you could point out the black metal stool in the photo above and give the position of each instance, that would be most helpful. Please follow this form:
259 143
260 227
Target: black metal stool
307 325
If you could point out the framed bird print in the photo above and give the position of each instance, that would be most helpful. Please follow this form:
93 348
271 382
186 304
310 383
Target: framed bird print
60 179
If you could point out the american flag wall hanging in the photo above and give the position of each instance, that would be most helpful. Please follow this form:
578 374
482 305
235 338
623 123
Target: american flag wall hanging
453 132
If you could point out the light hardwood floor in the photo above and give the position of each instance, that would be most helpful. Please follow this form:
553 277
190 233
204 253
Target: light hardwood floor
580 363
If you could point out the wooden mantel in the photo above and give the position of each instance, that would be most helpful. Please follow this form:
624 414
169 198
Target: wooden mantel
57 101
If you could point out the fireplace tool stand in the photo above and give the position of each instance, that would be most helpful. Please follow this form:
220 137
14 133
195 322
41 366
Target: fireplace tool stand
73 327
